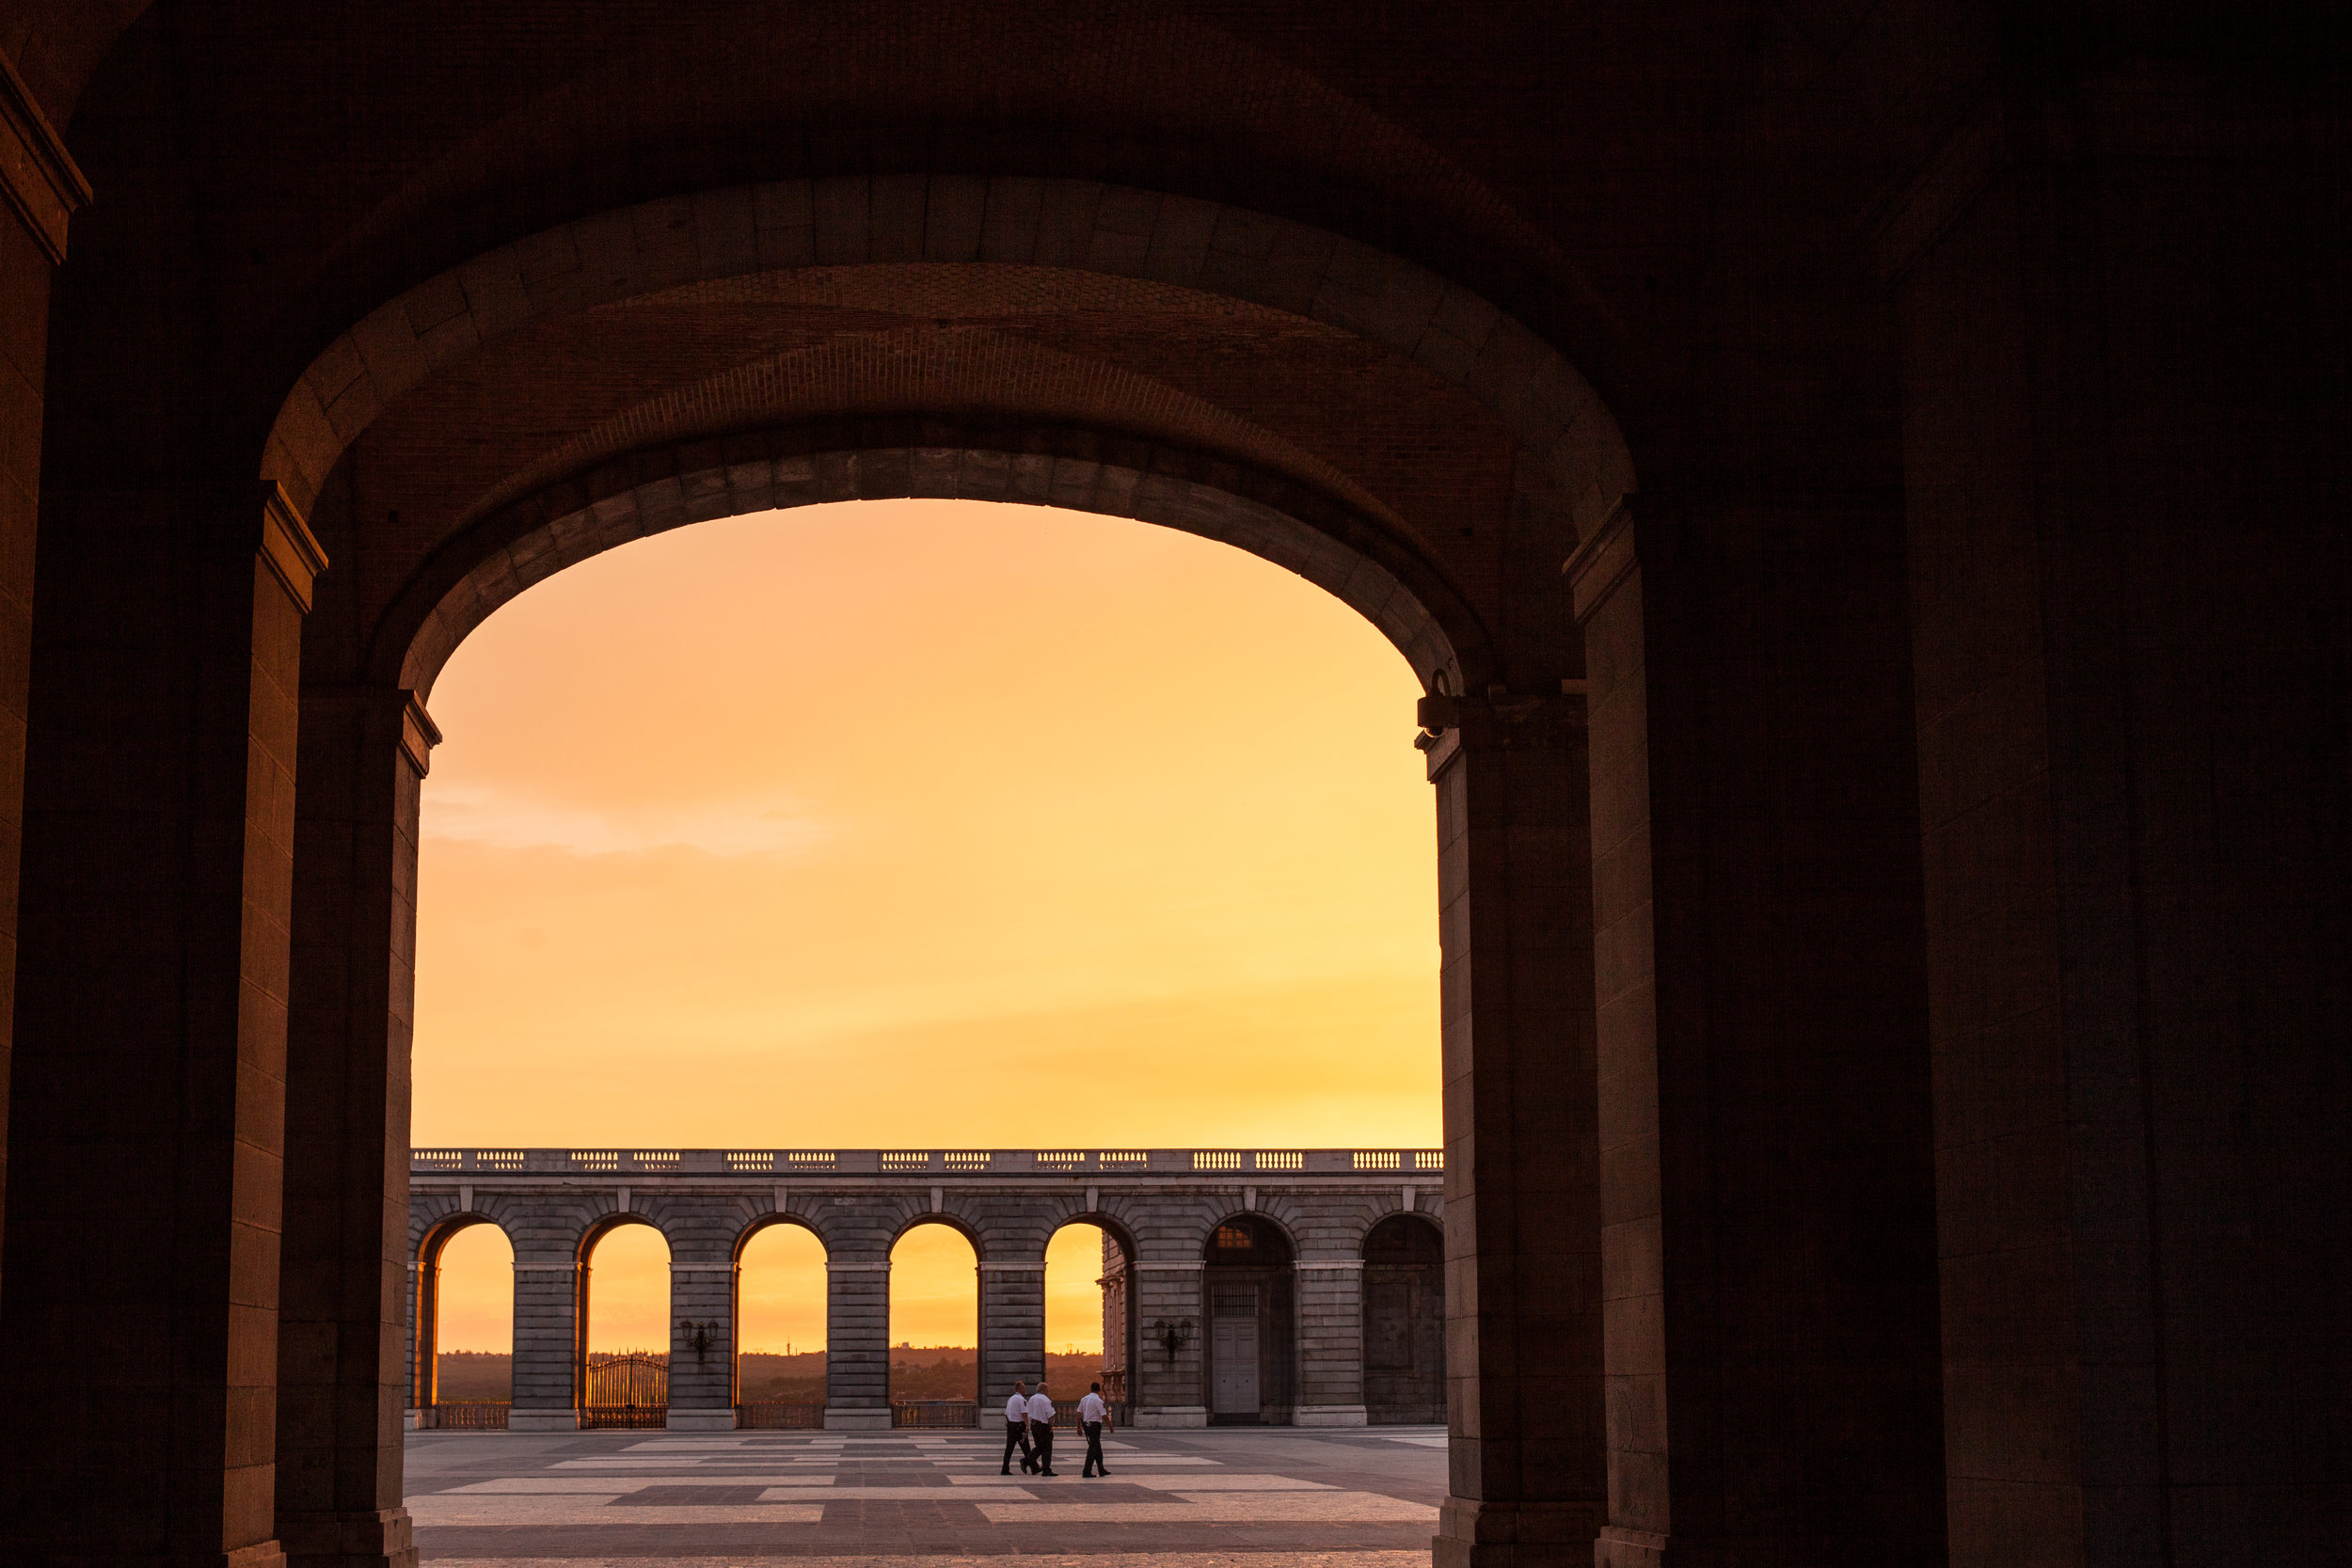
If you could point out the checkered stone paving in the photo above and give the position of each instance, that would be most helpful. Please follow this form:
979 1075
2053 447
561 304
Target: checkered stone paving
1275 1497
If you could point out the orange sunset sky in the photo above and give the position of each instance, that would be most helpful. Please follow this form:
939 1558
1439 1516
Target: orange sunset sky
913 824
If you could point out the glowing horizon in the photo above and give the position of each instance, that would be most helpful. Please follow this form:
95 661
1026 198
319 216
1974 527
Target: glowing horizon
917 824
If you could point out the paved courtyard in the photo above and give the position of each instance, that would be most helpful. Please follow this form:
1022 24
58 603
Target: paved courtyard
1275 1497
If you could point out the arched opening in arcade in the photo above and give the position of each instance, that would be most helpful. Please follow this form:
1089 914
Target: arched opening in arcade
1250 1299
779 1307
625 1363
930 913
938 1336
1090 1322
1404 1328
461 1355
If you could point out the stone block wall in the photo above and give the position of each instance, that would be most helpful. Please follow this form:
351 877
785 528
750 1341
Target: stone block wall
1165 1218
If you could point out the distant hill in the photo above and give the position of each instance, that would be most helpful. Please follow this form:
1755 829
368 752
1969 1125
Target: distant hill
467 1375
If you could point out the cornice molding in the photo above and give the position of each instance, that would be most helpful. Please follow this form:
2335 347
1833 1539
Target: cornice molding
418 735
44 186
288 545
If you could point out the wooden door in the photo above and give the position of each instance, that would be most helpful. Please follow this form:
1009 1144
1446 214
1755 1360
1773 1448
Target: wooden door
1234 1353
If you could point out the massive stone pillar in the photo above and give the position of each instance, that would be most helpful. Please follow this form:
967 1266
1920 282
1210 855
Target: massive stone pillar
1773 1380
548 1349
344 1355
1521 1181
2125 438
1013 1330
43 189
150 1062
702 1344
857 1343
1165 1383
1330 1295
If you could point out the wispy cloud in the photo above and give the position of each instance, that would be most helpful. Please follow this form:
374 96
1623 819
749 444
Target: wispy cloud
736 828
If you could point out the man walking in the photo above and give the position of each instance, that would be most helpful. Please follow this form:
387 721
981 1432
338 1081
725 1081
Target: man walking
1090 1412
1041 1429
1017 1430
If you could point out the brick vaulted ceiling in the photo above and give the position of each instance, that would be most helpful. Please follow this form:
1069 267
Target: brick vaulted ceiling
269 172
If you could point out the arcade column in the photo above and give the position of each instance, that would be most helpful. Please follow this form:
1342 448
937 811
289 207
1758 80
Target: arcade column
342 1353
857 1344
1522 1171
1330 1343
702 1345
1012 1329
1164 1382
547 1344
148 1079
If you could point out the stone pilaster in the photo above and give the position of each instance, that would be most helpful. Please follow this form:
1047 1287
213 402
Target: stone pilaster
857 1344
416 1297
1330 1342
1165 1383
1012 1327
702 1345
341 1362
547 1344
1522 1178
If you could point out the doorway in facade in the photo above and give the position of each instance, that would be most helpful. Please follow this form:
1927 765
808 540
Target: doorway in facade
1246 1288
1233 1350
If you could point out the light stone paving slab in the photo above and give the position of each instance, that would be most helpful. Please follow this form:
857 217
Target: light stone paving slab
1345 1558
608 1486
1238 1482
1223 1508
1139 1462
450 1507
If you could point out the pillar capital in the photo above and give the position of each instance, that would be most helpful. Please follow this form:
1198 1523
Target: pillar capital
1499 718
288 545
418 733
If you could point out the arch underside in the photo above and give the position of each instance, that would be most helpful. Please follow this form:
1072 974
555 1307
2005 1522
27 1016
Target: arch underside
1075 470
1337 411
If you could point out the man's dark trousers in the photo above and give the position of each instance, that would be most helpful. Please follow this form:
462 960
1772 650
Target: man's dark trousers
1041 1433
1093 1466
1016 1436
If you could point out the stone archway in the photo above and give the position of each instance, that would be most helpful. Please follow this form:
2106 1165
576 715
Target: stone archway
1403 1331
620 1401
1250 1321
1054 226
325 873
365 747
425 1310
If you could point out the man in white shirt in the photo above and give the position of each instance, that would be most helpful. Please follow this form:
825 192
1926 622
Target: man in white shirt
1090 1412
1041 1429
1017 1430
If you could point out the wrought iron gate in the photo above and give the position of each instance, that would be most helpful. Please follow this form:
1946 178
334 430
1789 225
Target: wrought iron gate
631 1390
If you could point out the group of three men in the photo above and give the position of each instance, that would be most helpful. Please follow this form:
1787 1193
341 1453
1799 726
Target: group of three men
1029 1426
